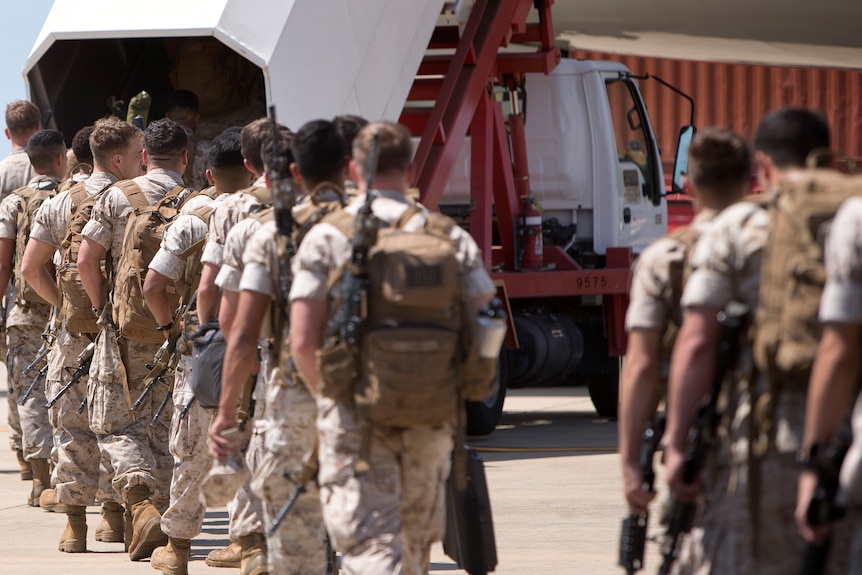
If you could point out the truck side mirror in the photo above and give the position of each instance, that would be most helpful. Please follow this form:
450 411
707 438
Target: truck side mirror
680 164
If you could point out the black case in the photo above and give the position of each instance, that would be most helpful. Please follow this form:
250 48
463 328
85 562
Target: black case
469 538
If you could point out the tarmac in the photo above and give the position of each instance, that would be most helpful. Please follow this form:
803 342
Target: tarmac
551 469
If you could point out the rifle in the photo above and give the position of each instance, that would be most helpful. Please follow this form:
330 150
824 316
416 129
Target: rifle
283 201
39 376
634 532
49 336
702 438
309 473
347 321
165 358
85 358
824 506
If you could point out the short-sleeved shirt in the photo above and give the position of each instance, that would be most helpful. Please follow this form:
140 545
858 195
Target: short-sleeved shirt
229 275
842 296
15 171
325 248
230 210
725 263
107 225
35 314
179 237
49 222
651 298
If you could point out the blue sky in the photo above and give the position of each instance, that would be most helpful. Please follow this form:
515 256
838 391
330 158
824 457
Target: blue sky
22 22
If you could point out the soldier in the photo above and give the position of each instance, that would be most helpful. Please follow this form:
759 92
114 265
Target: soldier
27 317
139 454
748 529
299 544
245 511
80 159
23 119
177 263
116 155
719 171
183 108
383 518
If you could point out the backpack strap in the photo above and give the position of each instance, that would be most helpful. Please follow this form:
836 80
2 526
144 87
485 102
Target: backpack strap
133 193
260 193
78 193
343 221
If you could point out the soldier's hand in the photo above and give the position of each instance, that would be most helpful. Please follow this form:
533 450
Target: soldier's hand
674 460
220 447
637 499
805 492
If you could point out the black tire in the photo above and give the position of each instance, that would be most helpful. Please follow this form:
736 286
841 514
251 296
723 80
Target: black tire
605 391
483 417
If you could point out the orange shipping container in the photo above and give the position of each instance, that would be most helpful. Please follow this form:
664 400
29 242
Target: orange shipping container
736 96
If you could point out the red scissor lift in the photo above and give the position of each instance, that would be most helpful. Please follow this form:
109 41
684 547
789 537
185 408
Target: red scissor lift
461 87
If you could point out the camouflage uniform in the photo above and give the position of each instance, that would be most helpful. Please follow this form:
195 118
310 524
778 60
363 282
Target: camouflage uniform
79 479
229 211
24 326
188 436
842 303
139 453
246 509
385 520
726 267
15 171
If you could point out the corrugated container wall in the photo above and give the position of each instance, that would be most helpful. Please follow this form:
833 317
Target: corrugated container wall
736 96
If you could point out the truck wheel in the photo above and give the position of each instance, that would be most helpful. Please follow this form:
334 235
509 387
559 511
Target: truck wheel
605 391
483 417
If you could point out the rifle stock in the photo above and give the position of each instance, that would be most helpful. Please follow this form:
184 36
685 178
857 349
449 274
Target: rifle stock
165 357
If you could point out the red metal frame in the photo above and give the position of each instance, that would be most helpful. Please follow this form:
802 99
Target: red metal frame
461 86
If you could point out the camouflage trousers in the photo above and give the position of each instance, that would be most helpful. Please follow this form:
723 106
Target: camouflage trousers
83 473
727 545
299 544
13 420
37 435
138 452
383 520
185 514
245 509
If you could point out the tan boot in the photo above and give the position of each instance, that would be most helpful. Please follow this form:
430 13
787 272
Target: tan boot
127 527
253 560
24 466
228 557
74 538
49 501
146 524
173 559
41 480
112 528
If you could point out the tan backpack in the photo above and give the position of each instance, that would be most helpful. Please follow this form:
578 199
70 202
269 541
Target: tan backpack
408 366
787 330
191 282
31 199
679 271
75 305
142 240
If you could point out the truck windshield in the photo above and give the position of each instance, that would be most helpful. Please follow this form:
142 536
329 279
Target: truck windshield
629 128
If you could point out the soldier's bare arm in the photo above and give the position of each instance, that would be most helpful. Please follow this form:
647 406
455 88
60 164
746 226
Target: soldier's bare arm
238 363
307 322
638 401
833 378
227 311
156 295
89 257
692 365
7 254
33 267
208 295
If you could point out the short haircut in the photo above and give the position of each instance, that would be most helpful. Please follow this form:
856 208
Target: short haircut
43 147
348 125
252 137
320 152
81 145
719 161
789 135
394 148
164 139
285 145
23 117
225 151
111 136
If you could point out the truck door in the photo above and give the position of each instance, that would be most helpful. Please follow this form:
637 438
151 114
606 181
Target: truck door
643 212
